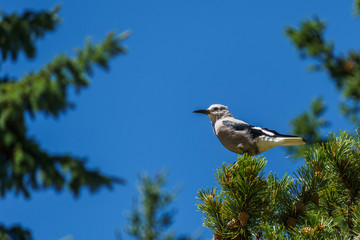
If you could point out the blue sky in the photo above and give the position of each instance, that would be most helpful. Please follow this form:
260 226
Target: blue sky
182 56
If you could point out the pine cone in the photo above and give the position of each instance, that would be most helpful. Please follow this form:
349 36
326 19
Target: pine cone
349 65
306 230
209 199
316 165
300 207
305 195
321 227
316 199
233 223
243 218
319 174
357 238
291 222
227 178
217 237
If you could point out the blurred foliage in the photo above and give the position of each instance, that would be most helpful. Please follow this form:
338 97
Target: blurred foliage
321 202
307 125
357 7
343 69
151 217
24 166
19 33
14 233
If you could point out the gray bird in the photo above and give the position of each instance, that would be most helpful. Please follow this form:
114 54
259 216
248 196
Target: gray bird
241 137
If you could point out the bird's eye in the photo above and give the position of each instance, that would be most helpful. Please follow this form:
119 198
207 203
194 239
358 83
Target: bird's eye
216 108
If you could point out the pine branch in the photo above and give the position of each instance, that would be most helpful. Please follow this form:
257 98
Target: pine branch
14 232
19 33
309 125
357 8
321 202
22 160
151 216
344 69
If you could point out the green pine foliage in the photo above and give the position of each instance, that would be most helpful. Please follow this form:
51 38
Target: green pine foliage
24 165
19 32
342 68
308 125
321 201
14 232
152 215
357 7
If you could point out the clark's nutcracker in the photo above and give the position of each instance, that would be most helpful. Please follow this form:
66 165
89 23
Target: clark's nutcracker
241 137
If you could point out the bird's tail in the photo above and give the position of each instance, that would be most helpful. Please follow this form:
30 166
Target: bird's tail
288 141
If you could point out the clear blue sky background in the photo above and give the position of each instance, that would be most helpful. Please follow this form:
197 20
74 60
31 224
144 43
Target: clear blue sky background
183 55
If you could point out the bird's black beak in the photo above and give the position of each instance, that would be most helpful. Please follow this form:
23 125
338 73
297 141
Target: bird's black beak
203 111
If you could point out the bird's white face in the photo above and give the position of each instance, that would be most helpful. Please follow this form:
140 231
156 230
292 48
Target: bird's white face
217 108
217 111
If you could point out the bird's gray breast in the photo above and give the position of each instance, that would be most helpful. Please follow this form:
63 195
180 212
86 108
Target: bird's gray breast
235 136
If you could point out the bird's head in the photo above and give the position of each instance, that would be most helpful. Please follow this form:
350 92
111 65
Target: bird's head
215 112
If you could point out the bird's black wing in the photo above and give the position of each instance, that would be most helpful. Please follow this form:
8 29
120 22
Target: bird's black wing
247 128
237 126
278 134
254 132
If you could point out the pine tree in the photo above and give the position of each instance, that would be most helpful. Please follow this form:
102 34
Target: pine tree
342 68
24 165
152 215
321 201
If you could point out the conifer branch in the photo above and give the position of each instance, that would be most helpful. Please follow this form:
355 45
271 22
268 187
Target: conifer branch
316 204
20 32
24 165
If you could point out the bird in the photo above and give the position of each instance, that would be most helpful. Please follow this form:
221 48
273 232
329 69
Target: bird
243 138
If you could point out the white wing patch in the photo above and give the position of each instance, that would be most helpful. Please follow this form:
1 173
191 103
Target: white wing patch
264 131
